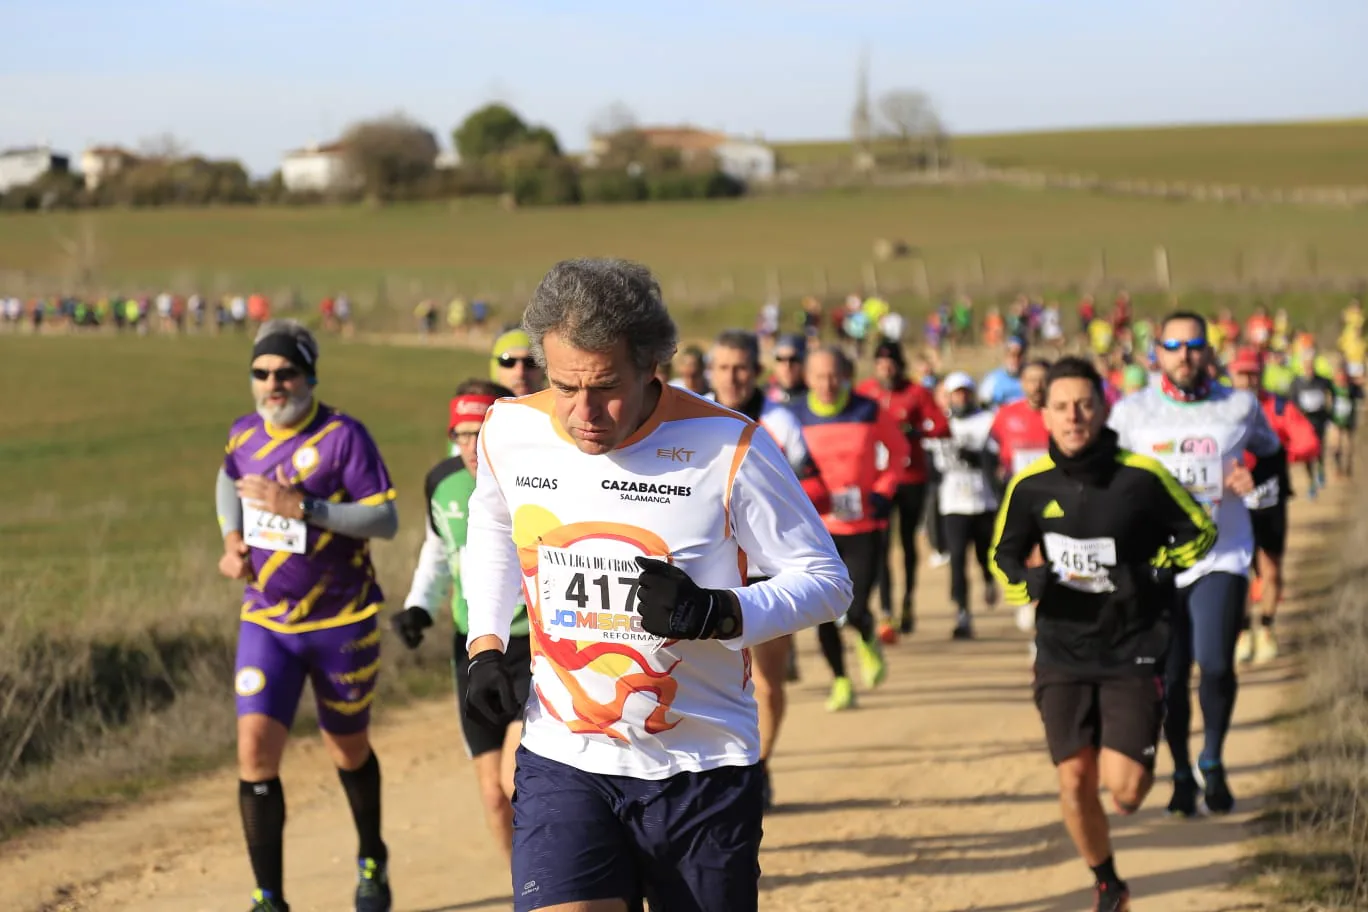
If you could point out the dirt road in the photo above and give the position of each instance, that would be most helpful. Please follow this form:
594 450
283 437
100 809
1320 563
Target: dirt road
936 794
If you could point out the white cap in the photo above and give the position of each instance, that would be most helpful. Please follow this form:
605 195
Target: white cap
958 380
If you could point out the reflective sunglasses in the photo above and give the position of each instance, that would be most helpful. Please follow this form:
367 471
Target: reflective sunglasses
1173 345
283 374
526 361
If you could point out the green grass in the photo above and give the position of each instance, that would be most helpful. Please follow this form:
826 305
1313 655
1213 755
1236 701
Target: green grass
112 456
1285 155
118 633
704 253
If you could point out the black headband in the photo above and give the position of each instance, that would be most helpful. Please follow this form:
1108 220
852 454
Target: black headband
298 352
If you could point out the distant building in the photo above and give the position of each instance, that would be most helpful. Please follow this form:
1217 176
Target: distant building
102 162
318 169
746 161
24 166
742 159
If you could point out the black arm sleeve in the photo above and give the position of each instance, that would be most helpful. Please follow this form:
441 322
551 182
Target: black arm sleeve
1015 534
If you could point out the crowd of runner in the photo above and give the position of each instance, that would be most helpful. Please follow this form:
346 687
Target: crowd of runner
627 538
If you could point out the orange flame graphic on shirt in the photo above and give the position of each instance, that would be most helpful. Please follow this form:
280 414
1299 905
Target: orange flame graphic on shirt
632 671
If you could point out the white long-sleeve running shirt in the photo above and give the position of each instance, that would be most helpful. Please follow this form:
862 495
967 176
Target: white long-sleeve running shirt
1197 442
698 485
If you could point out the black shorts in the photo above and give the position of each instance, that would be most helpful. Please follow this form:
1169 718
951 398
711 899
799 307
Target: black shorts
1123 713
1270 529
480 736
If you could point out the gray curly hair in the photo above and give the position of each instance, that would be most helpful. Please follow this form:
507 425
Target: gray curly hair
592 304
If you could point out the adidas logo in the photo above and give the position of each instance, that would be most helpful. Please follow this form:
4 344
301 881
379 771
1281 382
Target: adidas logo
1052 511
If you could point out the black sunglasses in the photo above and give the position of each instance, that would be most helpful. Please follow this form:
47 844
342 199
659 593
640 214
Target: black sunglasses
1173 345
526 361
283 374
788 359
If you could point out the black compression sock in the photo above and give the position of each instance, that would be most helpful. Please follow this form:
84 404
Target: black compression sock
829 638
263 823
1106 872
362 786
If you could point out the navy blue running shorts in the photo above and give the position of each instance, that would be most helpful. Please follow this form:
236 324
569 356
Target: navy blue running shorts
689 843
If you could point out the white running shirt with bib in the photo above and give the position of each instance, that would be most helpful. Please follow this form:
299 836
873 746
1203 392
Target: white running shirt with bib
698 484
1196 442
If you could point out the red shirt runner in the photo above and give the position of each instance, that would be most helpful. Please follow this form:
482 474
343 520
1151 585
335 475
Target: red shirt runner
1020 434
917 415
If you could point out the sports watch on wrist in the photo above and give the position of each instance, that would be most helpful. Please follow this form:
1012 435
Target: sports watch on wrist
307 506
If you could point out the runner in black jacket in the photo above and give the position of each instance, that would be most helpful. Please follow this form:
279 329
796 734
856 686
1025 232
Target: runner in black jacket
1112 526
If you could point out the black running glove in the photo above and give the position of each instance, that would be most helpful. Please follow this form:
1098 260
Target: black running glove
1037 578
410 623
489 694
676 608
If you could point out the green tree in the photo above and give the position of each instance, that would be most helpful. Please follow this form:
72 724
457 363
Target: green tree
493 129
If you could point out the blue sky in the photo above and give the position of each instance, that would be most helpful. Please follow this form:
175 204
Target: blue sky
252 78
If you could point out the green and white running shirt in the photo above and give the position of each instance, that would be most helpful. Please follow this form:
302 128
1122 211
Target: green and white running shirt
448 488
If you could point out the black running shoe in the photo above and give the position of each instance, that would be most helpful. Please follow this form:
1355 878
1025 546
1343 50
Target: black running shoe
1185 792
964 627
1216 791
265 902
908 622
1111 898
372 887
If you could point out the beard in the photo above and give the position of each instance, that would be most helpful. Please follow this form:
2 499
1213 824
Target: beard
286 413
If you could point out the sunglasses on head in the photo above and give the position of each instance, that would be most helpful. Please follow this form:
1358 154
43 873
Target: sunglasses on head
1173 345
283 374
526 361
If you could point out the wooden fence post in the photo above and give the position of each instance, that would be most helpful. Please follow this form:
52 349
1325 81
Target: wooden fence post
1161 267
921 280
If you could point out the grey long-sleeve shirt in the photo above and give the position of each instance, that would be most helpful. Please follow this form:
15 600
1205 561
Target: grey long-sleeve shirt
349 519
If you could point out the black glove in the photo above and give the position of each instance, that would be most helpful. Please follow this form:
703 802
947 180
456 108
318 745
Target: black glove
880 506
489 693
676 608
971 458
410 624
1037 578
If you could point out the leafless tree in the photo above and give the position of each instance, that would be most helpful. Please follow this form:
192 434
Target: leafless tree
164 147
910 115
616 118
389 153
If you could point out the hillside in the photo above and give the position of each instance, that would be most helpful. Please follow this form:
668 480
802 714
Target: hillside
1260 155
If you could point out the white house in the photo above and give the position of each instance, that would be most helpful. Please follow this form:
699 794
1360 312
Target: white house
101 162
24 166
320 169
746 161
742 159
